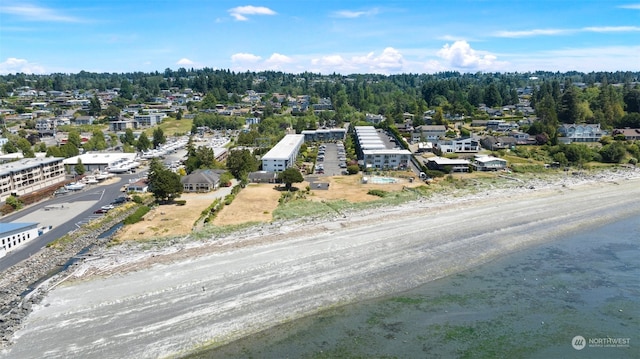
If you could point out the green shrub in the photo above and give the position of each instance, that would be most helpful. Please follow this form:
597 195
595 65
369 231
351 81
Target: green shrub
434 173
378 192
353 169
136 216
14 202
180 202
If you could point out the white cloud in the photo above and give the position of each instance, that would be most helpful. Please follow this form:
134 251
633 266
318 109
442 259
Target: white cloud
13 65
185 62
630 6
349 14
553 32
534 32
389 61
244 57
245 61
37 13
277 58
461 55
240 12
612 29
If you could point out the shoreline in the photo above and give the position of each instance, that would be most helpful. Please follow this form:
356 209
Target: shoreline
243 282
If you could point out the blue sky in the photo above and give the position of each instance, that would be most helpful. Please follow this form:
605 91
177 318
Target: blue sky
387 37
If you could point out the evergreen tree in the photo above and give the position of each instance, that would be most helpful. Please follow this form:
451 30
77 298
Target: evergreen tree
143 143
158 137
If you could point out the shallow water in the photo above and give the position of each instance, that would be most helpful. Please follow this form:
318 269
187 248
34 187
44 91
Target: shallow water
528 304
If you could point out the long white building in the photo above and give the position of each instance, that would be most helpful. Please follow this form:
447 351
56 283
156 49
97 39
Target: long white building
283 154
29 175
13 235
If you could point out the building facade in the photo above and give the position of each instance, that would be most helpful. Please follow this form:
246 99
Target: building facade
29 175
386 159
13 235
283 155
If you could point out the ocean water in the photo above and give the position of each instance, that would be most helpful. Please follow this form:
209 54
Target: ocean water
575 297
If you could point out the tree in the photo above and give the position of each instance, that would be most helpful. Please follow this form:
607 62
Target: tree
143 143
112 112
74 139
289 176
163 183
613 152
225 179
158 137
568 110
128 137
241 162
97 142
94 106
79 168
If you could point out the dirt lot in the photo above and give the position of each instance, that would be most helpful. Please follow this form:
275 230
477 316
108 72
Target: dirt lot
255 203
169 220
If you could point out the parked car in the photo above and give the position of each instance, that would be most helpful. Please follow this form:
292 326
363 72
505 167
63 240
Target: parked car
120 200
108 207
100 211
60 191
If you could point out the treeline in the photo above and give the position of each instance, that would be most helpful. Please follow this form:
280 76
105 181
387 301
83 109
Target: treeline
570 97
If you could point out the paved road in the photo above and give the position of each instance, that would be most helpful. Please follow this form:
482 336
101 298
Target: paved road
67 212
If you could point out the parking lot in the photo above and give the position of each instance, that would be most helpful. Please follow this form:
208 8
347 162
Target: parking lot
331 159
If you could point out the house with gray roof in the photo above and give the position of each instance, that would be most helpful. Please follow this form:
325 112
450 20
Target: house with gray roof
201 180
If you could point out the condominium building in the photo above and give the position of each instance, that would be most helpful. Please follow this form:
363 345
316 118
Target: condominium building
283 154
29 175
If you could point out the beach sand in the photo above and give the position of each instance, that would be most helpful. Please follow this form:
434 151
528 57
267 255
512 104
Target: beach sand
130 301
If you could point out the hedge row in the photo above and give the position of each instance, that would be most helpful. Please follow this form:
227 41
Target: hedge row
136 216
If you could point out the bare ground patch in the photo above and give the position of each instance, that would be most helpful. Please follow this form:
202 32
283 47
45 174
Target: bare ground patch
168 220
255 203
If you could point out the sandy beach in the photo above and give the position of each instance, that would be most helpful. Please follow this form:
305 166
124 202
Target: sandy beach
132 301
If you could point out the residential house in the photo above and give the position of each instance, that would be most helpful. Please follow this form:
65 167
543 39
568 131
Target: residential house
488 163
324 104
374 119
85 120
201 180
262 177
580 133
46 127
430 133
447 164
630 134
494 143
501 125
252 121
141 186
459 145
